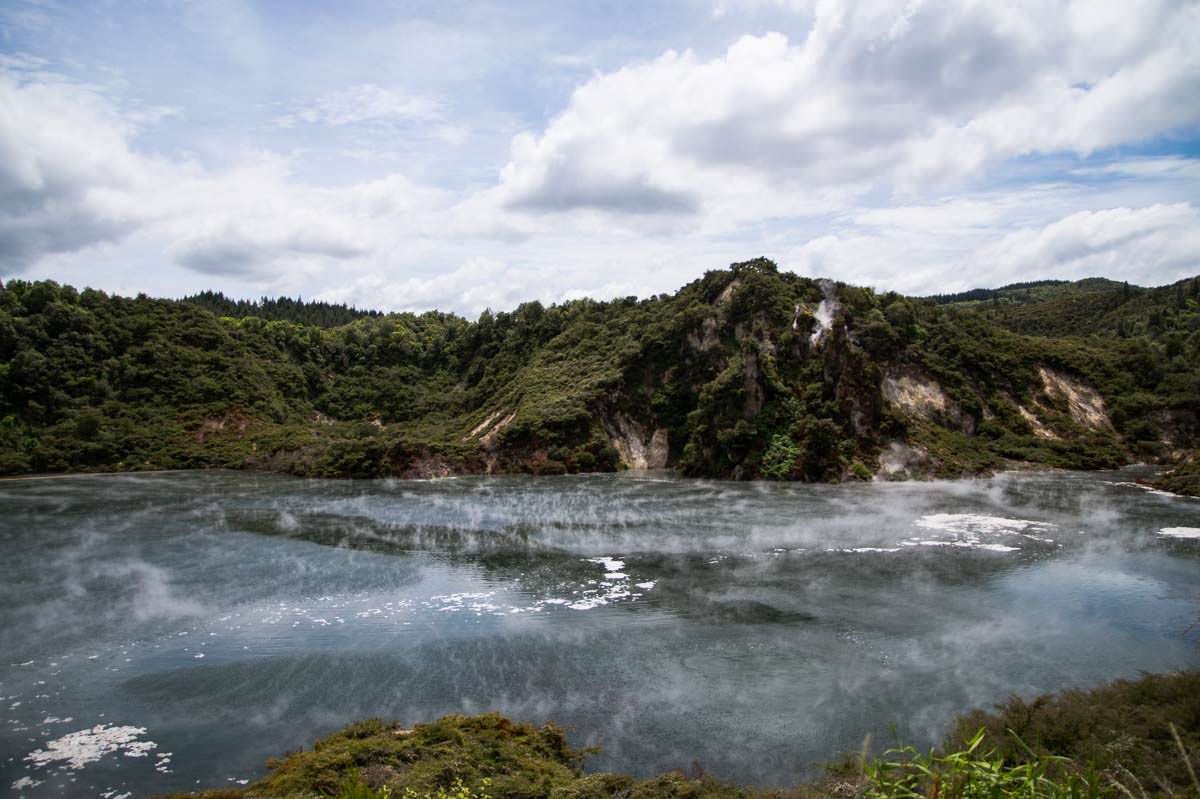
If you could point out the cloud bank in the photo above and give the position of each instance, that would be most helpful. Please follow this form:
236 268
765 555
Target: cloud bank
925 147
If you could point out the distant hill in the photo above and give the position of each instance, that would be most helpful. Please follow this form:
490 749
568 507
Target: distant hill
1094 306
321 314
746 373
1013 291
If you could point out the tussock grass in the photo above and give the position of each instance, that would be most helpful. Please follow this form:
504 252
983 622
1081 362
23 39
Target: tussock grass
1126 740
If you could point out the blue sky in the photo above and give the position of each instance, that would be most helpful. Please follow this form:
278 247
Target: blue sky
468 155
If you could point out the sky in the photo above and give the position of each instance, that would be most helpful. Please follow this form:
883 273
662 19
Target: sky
463 156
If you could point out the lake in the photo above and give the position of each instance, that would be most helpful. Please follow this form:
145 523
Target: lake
164 631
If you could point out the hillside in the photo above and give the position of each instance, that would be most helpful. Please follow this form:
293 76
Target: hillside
744 373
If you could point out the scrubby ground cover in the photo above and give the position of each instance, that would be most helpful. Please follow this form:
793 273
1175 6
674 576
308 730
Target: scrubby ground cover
1182 479
1136 739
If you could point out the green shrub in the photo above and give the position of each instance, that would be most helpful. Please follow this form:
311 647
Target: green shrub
970 773
779 461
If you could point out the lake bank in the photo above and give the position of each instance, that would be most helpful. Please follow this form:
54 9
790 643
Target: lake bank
1129 735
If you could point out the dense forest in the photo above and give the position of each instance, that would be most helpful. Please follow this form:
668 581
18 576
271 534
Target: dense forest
747 372
321 314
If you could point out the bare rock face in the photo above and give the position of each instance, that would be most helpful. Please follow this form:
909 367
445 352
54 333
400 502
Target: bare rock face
914 395
919 396
1084 402
636 449
1040 430
750 382
482 426
706 339
658 450
727 293
487 430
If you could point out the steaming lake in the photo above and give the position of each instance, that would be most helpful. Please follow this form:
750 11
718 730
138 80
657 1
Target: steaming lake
163 631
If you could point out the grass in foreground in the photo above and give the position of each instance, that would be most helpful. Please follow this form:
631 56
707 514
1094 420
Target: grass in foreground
1128 740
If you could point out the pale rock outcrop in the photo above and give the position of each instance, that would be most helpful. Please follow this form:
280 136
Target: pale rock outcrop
636 449
750 384
482 426
920 396
914 395
1040 430
1084 402
724 296
487 430
706 340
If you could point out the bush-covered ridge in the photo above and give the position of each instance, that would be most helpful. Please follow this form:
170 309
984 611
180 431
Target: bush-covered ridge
1129 738
284 309
746 373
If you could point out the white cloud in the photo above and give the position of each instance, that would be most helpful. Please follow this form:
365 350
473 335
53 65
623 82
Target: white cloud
1156 244
991 241
364 103
63 191
64 163
869 150
877 96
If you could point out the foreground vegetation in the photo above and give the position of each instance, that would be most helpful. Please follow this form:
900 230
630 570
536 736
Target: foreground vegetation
1129 738
746 373
1183 479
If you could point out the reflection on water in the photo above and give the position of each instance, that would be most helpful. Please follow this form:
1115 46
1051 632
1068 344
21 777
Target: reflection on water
162 630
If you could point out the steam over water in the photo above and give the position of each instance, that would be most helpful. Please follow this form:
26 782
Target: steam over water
160 631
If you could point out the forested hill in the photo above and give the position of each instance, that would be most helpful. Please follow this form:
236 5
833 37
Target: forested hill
747 373
321 314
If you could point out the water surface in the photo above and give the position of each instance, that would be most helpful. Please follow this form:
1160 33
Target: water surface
159 632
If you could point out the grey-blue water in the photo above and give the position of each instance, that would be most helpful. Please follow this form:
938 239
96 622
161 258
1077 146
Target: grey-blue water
160 632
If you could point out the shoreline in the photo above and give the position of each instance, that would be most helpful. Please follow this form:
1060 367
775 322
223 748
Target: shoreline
12 478
1018 745
1010 469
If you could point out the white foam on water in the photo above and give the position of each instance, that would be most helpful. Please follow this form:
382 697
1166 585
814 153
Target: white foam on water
588 604
866 549
1180 532
611 586
609 564
979 531
25 782
139 748
1149 489
978 524
77 749
959 545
